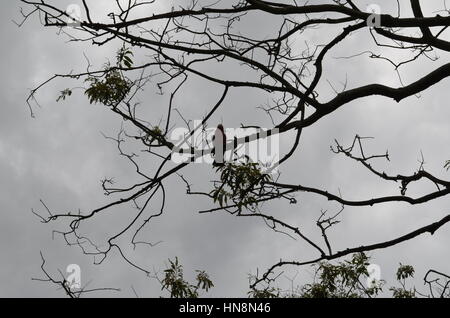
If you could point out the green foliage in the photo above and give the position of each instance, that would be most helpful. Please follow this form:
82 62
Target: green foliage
344 280
109 90
65 93
178 287
239 184
155 134
203 281
402 293
403 272
156 130
268 292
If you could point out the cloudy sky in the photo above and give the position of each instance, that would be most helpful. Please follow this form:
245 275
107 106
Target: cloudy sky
61 155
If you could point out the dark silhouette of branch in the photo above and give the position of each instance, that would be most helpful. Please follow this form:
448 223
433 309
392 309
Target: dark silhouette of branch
180 45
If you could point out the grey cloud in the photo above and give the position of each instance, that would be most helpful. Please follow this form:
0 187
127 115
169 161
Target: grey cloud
61 155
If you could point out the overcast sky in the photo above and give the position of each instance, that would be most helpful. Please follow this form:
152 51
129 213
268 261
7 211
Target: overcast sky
61 155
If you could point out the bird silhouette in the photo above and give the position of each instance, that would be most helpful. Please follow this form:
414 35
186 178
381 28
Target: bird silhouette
219 146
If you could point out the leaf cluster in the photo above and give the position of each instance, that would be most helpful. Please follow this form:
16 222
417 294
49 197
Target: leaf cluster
241 184
178 287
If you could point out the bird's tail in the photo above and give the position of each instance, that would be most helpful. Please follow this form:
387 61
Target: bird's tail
218 164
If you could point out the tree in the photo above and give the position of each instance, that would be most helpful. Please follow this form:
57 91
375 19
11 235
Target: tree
175 284
181 43
347 279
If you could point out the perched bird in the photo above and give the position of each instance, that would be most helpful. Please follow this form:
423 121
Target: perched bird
219 146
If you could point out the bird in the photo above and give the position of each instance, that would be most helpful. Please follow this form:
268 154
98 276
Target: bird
219 146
